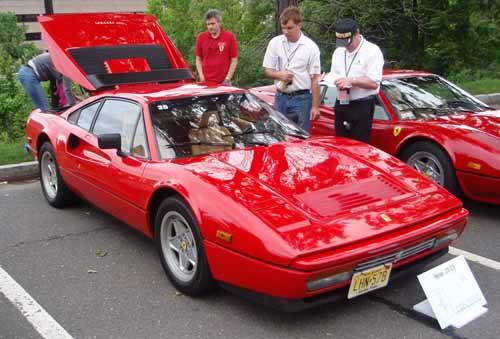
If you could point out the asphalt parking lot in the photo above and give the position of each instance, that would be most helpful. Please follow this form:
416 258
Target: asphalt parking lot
124 294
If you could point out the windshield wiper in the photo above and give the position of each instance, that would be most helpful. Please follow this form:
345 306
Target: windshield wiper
191 143
464 106
268 131
435 110
252 130
297 135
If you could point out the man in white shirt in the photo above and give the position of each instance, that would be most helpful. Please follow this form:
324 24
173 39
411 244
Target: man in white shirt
293 61
357 72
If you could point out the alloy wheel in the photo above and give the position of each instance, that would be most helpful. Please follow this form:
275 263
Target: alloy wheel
427 164
49 174
179 246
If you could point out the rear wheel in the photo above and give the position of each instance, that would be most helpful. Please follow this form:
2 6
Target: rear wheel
180 246
54 189
431 161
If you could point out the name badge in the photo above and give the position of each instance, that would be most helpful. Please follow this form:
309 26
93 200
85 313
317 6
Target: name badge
343 96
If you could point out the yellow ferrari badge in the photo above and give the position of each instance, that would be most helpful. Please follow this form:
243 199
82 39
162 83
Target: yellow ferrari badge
396 131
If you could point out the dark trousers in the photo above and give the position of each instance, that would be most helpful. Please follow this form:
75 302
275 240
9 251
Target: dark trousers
355 119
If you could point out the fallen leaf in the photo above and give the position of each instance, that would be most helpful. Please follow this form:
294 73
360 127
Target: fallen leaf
177 294
101 253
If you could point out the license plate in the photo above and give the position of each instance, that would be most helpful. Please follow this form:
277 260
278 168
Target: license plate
369 280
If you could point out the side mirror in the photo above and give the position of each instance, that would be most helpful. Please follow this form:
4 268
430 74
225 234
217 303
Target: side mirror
110 141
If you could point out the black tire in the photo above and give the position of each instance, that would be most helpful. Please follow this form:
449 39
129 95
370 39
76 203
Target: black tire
54 188
196 279
435 155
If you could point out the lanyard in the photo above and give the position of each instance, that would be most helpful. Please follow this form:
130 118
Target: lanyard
347 70
289 58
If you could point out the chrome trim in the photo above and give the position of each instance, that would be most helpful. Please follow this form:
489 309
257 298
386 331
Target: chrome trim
396 256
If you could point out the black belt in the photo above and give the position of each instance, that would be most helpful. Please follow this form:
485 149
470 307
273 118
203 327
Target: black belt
294 93
370 97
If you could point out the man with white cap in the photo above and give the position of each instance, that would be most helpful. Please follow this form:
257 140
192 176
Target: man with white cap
356 71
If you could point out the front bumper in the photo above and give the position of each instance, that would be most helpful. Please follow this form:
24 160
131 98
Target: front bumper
296 305
480 187
285 287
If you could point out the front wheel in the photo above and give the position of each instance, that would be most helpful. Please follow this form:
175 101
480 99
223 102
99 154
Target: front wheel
430 160
180 246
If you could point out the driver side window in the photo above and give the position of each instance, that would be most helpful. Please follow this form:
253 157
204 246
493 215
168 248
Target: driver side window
118 116
140 147
380 113
329 96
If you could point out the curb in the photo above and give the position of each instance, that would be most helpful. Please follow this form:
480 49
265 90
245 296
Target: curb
21 171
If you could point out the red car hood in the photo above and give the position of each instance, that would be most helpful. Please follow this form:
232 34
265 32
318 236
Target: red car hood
487 122
99 50
319 194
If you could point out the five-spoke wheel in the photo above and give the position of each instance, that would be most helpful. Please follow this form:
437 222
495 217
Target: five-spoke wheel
432 161
180 246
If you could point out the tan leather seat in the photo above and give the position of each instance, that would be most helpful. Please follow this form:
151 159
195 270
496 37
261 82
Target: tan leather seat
208 131
242 123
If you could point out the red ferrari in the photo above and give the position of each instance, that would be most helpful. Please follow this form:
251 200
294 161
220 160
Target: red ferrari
229 189
434 126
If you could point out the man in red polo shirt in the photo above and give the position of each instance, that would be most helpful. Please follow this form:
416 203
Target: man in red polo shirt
216 51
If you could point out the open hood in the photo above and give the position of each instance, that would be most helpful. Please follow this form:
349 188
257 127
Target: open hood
101 50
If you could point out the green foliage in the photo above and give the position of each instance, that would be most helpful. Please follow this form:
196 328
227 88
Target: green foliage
455 38
444 36
481 86
12 38
12 151
14 103
250 20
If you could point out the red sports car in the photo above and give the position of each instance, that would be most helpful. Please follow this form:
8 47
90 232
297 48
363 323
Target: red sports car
229 189
436 127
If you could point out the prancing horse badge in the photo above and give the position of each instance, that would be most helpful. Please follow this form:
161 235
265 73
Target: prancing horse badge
397 130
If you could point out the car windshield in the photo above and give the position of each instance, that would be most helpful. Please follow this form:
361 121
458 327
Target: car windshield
426 97
205 124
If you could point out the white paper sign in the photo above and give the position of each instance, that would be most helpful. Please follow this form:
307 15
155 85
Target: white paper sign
452 292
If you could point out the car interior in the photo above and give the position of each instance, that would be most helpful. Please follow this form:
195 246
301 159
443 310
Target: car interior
209 130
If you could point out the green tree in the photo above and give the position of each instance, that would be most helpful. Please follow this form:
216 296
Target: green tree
14 103
444 36
250 20
456 38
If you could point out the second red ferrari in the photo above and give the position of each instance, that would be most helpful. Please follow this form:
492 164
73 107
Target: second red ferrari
433 125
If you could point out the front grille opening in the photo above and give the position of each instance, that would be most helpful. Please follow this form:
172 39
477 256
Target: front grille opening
397 256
